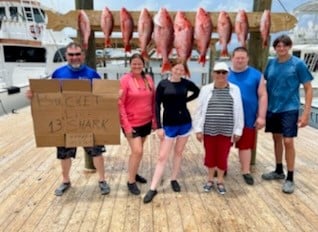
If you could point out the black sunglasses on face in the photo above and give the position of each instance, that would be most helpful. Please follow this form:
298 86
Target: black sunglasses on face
221 72
74 54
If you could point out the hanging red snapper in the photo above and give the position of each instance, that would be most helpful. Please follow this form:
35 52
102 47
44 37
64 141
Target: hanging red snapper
145 29
163 37
224 29
202 33
107 24
84 28
127 28
183 38
265 26
241 27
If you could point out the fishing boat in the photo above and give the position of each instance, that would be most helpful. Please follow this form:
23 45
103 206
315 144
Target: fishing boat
27 50
305 36
305 46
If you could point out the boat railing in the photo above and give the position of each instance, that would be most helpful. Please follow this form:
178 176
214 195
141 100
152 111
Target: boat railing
311 59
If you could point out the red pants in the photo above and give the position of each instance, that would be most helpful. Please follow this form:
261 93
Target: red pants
217 150
247 140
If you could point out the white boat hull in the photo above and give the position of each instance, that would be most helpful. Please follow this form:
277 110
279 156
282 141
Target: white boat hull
12 102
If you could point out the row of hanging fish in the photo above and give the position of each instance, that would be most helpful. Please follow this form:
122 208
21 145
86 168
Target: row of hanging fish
178 33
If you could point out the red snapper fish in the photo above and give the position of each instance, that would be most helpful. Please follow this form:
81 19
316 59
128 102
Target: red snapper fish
241 27
224 29
163 37
202 33
145 29
127 28
84 28
183 38
107 24
265 26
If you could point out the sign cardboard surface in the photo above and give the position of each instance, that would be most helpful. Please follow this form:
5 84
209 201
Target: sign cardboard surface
75 113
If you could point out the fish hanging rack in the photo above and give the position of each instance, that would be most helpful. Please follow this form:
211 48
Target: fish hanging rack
57 21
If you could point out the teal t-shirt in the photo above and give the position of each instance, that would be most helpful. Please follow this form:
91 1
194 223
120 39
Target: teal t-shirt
283 81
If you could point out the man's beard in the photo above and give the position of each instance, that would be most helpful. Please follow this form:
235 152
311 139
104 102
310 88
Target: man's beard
75 66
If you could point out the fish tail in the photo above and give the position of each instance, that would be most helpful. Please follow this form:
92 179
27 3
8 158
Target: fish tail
202 60
187 71
224 53
166 67
145 55
107 43
127 48
85 46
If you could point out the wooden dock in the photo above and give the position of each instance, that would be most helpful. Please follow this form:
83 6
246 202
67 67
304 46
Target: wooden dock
29 176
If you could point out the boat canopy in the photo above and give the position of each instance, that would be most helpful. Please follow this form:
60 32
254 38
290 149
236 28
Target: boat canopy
307 8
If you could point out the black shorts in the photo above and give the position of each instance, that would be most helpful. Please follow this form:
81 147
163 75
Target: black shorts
284 123
141 131
70 152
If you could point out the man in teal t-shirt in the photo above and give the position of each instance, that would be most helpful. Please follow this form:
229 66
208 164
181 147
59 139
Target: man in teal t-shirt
283 76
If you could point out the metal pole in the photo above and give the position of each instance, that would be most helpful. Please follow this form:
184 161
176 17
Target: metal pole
258 58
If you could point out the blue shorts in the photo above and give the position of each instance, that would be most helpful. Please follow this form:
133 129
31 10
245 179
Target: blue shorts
177 131
284 123
70 152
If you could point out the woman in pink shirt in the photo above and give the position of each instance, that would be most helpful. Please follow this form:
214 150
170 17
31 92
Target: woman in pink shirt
137 115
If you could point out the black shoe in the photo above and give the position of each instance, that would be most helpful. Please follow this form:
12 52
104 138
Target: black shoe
248 179
104 187
175 186
133 188
141 179
62 189
150 195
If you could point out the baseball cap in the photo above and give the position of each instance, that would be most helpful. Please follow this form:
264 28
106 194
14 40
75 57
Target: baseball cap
221 66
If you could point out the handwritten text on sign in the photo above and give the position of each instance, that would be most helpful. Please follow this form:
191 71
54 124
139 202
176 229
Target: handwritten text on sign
75 112
78 113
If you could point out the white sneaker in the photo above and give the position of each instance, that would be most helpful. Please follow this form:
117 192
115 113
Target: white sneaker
288 187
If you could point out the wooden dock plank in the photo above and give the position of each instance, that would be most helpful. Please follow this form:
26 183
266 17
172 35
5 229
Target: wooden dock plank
29 176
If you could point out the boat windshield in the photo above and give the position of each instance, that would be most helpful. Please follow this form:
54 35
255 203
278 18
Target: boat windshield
24 54
34 14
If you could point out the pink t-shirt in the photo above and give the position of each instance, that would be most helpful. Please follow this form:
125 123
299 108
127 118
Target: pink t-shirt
136 102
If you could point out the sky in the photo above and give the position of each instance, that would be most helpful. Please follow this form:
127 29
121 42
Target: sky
64 6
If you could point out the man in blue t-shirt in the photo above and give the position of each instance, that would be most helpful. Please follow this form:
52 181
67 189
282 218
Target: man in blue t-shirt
283 76
76 69
254 98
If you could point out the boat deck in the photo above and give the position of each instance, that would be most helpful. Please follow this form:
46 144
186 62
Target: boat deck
29 175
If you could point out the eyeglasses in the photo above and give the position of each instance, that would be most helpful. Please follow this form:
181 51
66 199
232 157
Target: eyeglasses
221 72
74 54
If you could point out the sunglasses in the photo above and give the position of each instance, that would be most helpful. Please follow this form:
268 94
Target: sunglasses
74 54
221 72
